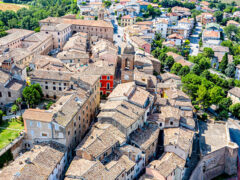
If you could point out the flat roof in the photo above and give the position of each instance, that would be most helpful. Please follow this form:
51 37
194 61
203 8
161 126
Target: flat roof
213 137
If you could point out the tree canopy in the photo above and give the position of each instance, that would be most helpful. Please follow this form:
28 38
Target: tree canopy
32 94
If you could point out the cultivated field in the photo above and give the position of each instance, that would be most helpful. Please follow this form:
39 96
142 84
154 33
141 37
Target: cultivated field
10 6
229 1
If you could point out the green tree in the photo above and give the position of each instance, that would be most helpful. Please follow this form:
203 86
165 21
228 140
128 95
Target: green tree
221 6
139 19
176 68
232 32
32 94
219 16
208 52
19 103
169 62
196 69
224 104
206 74
223 115
184 71
203 97
223 64
235 110
14 109
107 4
37 29
204 63
216 94
230 70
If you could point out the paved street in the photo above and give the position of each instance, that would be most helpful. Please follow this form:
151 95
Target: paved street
194 40
118 32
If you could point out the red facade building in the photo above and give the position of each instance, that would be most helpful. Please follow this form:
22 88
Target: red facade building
106 84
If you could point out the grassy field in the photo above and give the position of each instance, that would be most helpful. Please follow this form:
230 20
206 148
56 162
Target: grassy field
10 6
8 135
229 1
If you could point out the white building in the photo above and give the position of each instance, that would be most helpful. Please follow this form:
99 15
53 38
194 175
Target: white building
162 27
237 74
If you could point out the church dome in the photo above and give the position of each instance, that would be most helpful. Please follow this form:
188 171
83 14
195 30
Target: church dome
128 49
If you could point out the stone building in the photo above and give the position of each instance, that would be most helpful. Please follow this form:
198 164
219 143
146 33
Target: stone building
178 141
100 142
60 32
121 168
38 43
147 140
74 57
135 95
170 166
69 118
44 160
100 28
123 115
234 94
10 89
14 39
218 154
16 60
106 71
53 83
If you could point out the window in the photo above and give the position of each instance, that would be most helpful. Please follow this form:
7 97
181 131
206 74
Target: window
79 118
160 124
65 84
49 126
9 94
108 77
0 94
74 124
54 83
31 123
171 123
54 88
32 133
46 87
68 132
38 124
108 85
60 89
56 127
100 77
46 82
100 84
44 135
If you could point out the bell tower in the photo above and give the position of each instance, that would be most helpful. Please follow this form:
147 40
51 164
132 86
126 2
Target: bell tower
127 61
101 14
